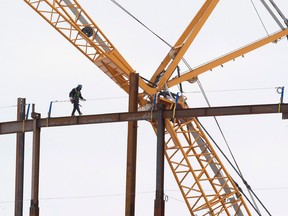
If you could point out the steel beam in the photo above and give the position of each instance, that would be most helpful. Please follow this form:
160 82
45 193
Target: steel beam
27 125
159 204
34 205
20 147
131 147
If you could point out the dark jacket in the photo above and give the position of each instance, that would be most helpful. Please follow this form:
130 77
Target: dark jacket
75 94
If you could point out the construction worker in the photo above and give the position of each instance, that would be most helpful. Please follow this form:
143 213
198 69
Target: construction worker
75 96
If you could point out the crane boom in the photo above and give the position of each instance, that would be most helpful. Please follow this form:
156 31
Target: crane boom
164 72
225 58
204 182
177 52
72 22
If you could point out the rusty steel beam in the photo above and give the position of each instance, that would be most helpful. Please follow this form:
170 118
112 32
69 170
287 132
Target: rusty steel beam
34 204
159 203
27 125
131 147
20 152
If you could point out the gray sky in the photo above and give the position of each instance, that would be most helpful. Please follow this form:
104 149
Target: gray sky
83 167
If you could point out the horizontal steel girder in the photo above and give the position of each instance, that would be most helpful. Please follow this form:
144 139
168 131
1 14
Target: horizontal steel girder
27 125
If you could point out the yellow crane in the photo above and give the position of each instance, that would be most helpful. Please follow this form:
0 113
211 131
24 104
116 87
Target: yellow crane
204 182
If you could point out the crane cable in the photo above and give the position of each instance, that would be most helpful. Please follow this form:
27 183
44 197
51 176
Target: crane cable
225 140
252 2
239 174
279 12
122 8
207 101
273 15
227 145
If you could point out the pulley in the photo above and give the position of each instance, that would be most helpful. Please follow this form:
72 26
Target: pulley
88 31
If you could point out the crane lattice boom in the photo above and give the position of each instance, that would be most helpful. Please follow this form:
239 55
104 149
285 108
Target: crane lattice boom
205 184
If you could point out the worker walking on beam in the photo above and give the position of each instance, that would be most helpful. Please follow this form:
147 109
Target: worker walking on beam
75 95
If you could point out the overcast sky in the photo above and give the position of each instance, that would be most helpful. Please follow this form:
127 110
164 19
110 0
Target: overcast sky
83 167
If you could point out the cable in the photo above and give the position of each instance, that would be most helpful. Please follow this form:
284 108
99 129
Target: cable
5 107
200 86
122 8
259 17
273 15
226 142
107 98
239 174
232 90
279 12
90 99
218 125
81 197
256 209
66 101
164 41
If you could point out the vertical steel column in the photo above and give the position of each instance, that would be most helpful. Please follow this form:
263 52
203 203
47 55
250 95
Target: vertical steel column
34 205
20 147
159 204
131 147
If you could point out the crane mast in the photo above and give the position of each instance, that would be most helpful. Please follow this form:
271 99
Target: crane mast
204 182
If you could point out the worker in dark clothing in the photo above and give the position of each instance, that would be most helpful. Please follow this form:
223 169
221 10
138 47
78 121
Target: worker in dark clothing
75 96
